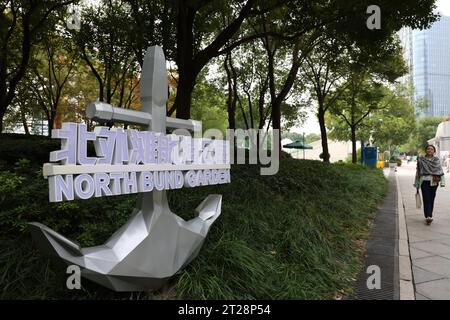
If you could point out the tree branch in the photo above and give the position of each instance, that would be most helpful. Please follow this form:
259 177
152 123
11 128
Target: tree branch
213 48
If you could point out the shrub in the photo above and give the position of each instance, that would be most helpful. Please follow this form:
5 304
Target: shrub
396 160
36 149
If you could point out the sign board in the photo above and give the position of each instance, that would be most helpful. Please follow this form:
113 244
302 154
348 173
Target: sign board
131 161
155 243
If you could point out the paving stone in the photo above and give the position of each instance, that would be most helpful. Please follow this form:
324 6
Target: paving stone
446 256
445 241
421 297
421 275
417 253
432 247
435 290
434 264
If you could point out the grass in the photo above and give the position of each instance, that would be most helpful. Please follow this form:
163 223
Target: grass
295 235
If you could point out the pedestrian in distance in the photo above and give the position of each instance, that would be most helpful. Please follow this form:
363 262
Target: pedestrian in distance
429 175
448 164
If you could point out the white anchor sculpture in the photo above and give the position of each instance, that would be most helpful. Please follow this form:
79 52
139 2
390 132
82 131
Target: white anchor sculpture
155 243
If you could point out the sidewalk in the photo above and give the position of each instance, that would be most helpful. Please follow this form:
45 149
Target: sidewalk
429 245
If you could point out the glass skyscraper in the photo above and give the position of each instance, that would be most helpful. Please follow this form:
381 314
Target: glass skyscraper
429 53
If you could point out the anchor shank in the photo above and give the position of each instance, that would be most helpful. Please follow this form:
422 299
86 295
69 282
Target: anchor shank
101 111
154 95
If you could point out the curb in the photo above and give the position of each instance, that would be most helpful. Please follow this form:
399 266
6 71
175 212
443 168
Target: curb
407 291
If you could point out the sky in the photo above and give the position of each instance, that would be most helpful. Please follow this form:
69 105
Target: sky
312 125
443 6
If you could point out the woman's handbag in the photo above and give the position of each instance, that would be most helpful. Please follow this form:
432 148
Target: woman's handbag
418 200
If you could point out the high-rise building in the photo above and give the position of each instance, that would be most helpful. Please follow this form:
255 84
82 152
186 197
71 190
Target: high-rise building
428 53
405 35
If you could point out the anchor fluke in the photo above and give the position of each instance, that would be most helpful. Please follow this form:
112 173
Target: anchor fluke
141 257
52 242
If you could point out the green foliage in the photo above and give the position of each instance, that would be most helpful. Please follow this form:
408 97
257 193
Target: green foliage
358 157
292 235
9 182
296 233
295 136
391 126
103 44
36 149
388 127
22 166
396 160
209 106
312 137
22 27
366 101
425 130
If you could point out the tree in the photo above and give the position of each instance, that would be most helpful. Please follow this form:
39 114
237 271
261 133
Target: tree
149 23
425 130
247 81
190 58
206 29
325 67
21 24
364 91
312 137
260 75
233 94
388 127
201 37
361 98
50 74
78 93
103 46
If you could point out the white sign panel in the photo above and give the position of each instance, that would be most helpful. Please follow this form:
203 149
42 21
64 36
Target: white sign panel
131 161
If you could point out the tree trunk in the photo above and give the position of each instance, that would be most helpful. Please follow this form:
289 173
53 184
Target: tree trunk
185 56
354 155
108 90
323 133
184 96
275 105
287 86
261 102
165 26
97 76
232 94
276 123
24 121
51 122
353 125
2 114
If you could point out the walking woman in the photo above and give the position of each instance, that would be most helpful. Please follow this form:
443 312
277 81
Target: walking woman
429 175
